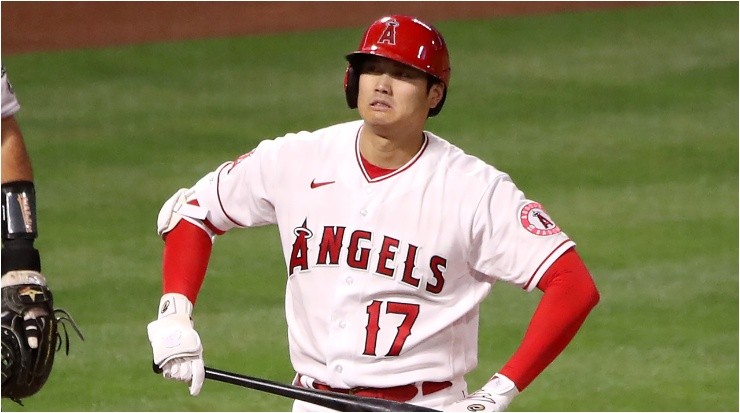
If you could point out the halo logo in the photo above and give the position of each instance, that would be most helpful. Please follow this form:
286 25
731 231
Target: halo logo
389 34
535 220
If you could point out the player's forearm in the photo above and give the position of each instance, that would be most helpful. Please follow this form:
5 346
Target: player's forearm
569 296
187 250
16 165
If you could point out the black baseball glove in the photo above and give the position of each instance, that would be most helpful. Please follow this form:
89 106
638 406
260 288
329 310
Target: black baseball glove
30 333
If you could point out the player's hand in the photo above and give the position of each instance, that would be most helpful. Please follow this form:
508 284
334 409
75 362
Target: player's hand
176 346
495 396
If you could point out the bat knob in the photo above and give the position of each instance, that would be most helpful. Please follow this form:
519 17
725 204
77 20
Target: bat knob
156 368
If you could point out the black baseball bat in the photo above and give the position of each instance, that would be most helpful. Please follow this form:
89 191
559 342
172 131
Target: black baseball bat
335 401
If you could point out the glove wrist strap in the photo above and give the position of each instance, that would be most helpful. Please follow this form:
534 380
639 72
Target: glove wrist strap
174 304
500 384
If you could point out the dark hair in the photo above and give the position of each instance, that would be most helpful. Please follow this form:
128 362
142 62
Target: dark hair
431 81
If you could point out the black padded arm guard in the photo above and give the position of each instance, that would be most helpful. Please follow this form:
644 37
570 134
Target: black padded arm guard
19 227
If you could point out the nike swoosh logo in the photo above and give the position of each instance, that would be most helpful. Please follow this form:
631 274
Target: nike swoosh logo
315 184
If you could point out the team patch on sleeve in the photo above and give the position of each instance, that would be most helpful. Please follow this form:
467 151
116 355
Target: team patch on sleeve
535 220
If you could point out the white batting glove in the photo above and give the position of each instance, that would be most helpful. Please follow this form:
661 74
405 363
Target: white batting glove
176 345
495 396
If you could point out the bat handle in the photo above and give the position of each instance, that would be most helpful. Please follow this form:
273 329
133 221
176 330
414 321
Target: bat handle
347 402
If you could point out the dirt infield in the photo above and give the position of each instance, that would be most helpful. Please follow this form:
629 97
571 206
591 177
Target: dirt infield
44 26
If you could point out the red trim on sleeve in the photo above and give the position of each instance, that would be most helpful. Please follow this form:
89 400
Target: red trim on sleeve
187 250
212 227
206 222
526 286
569 296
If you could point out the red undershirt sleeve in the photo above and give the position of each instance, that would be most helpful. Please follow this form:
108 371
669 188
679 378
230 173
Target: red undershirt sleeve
569 295
187 250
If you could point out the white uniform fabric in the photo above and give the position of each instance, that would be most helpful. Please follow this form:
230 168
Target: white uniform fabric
385 275
10 103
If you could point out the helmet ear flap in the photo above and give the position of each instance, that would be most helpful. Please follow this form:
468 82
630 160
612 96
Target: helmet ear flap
351 86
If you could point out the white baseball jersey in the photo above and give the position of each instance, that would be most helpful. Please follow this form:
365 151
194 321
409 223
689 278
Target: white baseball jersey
385 276
10 104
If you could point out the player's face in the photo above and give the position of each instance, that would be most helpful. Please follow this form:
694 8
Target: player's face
391 93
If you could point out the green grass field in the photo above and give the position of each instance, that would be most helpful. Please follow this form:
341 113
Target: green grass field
623 123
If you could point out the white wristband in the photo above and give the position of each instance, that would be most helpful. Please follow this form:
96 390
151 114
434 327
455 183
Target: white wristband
501 389
174 303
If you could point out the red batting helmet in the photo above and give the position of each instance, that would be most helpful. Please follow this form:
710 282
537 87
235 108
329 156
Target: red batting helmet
406 40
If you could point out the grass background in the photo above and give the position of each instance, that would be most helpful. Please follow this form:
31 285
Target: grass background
623 123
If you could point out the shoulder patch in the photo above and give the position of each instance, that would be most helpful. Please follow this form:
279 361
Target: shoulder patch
535 220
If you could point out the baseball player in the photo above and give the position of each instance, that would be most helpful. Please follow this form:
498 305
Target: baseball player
392 237
29 320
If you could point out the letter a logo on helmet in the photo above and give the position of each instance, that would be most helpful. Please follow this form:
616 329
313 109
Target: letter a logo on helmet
404 39
389 34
